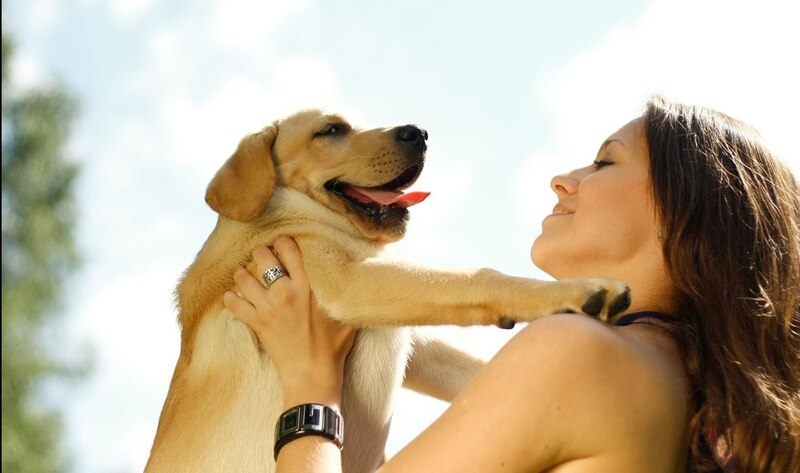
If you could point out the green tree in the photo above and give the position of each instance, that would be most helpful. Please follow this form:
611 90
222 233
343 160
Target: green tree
38 254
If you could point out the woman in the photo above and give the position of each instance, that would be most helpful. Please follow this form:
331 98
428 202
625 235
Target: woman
702 373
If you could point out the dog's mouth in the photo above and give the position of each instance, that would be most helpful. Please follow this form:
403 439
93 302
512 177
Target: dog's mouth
376 202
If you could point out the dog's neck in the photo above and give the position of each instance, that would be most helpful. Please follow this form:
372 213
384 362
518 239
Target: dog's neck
287 203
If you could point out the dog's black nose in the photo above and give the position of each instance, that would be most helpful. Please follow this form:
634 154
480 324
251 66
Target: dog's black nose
411 134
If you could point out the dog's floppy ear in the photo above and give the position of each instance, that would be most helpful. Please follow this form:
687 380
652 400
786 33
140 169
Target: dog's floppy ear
242 187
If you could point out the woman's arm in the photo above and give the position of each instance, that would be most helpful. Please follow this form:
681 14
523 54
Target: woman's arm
307 347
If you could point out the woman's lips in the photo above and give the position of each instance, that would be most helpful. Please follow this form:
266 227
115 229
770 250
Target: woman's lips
561 210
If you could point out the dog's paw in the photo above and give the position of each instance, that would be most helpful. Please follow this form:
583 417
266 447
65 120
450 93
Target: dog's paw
606 298
601 298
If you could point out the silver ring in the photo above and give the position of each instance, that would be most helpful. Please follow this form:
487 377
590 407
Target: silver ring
273 274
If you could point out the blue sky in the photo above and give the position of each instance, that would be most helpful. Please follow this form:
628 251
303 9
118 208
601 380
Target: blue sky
512 92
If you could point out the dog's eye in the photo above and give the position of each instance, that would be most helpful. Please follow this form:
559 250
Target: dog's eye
332 129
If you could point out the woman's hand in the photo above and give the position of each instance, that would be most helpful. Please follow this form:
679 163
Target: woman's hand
307 347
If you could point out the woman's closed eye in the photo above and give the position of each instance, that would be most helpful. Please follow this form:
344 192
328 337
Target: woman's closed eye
601 163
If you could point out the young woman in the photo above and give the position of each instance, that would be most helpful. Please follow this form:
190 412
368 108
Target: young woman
702 373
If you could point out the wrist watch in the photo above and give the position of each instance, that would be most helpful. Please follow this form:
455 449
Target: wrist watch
309 419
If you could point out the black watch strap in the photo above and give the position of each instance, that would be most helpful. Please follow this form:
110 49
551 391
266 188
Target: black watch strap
309 419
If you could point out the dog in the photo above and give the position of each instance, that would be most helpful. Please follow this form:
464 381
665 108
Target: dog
339 190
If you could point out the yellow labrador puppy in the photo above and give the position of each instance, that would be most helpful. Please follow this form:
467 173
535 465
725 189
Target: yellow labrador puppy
338 191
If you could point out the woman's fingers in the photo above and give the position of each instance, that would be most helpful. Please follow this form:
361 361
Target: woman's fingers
248 286
289 254
241 308
256 298
265 259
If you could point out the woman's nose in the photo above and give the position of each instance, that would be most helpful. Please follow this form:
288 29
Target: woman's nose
563 184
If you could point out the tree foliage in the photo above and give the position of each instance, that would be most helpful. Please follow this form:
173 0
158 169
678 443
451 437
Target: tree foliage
38 254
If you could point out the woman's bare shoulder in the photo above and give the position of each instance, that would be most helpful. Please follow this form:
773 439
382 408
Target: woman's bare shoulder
615 388
565 391
641 361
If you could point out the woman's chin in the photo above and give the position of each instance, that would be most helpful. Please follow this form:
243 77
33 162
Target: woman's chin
540 250
539 258
550 263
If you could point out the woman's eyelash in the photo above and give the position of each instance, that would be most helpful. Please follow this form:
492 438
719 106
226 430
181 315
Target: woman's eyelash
601 163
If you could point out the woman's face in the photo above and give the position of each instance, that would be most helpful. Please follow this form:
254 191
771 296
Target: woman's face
604 222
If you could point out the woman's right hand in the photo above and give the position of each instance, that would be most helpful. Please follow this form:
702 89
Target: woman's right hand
307 347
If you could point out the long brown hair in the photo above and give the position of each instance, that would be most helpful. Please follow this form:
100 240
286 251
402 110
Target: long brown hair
730 216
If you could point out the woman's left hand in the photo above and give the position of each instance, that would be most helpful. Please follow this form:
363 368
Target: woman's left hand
307 347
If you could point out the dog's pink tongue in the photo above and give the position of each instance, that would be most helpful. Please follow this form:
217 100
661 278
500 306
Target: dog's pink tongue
412 198
386 196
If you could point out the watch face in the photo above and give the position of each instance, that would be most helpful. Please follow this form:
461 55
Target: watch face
312 417
308 419
289 422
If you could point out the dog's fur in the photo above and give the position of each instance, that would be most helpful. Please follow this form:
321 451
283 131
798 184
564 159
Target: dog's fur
296 177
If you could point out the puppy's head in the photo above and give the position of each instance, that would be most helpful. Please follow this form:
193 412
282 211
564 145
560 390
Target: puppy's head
356 171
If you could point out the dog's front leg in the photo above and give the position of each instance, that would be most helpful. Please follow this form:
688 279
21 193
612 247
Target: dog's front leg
439 369
380 292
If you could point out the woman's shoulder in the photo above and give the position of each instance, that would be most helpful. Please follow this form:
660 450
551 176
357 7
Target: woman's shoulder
638 360
571 336
571 339
565 394
627 384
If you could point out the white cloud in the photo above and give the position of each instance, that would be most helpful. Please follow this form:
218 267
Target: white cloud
127 11
168 52
211 40
173 64
42 15
118 162
131 321
28 25
426 239
247 25
124 12
133 315
300 82
204 134
26 71
533 196
730 55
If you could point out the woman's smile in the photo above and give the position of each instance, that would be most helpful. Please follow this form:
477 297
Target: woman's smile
560 209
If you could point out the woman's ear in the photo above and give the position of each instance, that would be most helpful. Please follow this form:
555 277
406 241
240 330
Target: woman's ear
242 187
